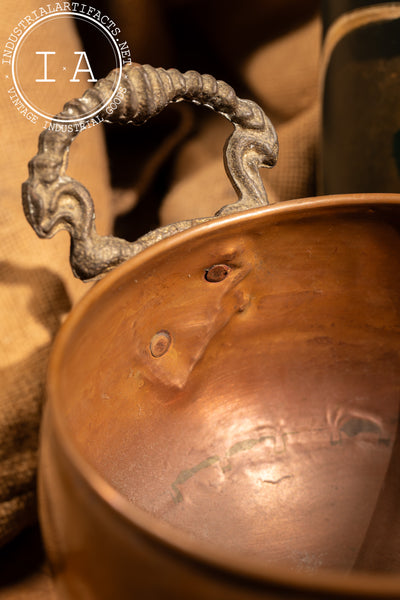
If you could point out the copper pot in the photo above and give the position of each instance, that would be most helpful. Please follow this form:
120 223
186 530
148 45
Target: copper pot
222 407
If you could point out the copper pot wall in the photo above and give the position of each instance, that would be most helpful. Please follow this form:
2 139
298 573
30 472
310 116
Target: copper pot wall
222 408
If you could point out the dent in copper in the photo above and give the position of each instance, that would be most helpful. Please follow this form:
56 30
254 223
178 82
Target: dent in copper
266 429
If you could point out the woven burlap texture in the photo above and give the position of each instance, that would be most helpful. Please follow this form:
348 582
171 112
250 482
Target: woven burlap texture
36 289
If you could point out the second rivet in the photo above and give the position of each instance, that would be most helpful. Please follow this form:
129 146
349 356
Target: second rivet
160 343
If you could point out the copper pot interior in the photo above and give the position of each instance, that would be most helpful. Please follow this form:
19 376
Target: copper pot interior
254 404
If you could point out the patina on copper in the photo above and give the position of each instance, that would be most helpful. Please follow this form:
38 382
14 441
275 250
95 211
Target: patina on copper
222 416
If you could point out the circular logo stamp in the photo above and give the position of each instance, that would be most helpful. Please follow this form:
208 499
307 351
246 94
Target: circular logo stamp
43 71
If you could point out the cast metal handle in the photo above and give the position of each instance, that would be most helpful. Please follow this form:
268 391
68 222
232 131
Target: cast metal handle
53 201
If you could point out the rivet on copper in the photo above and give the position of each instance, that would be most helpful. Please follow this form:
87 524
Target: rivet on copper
160 343
217 273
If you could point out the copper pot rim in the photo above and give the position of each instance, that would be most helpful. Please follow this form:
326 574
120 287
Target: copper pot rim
233 565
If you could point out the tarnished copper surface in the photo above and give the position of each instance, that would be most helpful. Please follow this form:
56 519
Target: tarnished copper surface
222 408
246 458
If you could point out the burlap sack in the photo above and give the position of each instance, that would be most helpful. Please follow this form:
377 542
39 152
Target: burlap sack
36 289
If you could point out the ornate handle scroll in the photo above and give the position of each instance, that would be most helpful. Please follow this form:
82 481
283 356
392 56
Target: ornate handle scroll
54 201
